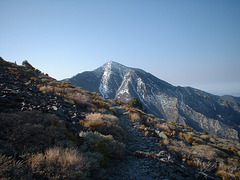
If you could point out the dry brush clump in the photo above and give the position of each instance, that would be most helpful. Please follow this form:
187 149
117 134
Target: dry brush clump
101 104
203 151
71 94
51 150
94 141
103 123
227 171
11 168
31 132
59 163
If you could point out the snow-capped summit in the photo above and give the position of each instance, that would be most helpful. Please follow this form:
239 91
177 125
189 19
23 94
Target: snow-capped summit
186 105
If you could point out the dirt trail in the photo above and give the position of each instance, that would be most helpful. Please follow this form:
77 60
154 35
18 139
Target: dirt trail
145 158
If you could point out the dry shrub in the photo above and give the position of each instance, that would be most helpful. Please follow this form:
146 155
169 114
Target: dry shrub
93 120
119 102
168 134
163 127
46 89
30 132
146 133
226 172
233 150
188 128
12 169
207 152
174 133
201 165
135 117
180 149
166 142
98 119
81 98
101 104
58 163
105 124
205 137
157 120
191 138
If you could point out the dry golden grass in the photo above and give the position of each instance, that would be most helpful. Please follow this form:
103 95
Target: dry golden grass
58 163
104 123
46 89
93 120
227 172
98 119
163 127
208 152
135 117
201 165
146 133
101 104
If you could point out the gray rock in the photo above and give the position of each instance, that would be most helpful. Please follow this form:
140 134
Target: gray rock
161 135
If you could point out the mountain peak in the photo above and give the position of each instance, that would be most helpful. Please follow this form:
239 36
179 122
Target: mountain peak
187 105
113 64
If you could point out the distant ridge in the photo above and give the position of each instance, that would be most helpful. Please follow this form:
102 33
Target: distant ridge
198 109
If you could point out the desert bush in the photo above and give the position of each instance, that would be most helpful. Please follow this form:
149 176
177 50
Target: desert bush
12 169
146 133
93 120
135 117
226 171
70 136
58 163
162 127
26 64
119 102
105 124
191 138
207 152
95 161
102 148
30 132
180 149
91 140
46 89
203 165
134 102
101 104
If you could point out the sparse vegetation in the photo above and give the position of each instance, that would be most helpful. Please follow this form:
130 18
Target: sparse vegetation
134 102
103 123
76 134
58 163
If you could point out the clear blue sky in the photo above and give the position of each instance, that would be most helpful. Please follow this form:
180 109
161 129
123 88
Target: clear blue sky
186 43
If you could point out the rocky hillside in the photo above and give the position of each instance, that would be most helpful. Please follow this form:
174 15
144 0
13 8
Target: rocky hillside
198 109
54 130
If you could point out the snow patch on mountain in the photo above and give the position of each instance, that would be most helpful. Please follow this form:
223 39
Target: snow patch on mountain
185 105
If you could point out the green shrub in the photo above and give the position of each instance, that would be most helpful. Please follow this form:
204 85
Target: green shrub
91 140
134 102
101 147
70 136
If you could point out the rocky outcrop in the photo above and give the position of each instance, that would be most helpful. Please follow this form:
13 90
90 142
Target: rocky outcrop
19 92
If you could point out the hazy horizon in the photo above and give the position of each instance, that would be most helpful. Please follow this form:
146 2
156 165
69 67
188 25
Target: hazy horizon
187 43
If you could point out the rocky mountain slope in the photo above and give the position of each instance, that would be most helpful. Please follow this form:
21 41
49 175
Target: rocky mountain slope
54 130
198 109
